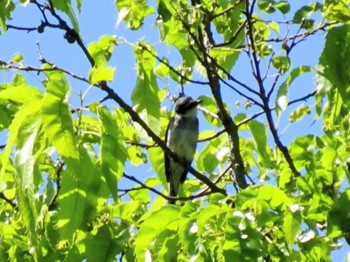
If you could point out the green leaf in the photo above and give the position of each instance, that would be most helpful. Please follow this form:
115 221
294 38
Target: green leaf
56 116
18 58
113 152
20 94
231 247
301 14
188 228
276 198
166 246
281 62
126 211
266 6
101 74
282 93
334 60
66 7
27 111
162 69
208 159
6 7
81 185
164 219
282 6
101 51
134 12
329 155
156 156
338 218
274 26
225 57
291 226
103 246
78 5
260 136
24 175
205 215
298 113
145 97
72 200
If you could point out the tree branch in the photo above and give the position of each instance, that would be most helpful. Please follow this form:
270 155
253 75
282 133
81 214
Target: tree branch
264 98
59 169
211 69
143 185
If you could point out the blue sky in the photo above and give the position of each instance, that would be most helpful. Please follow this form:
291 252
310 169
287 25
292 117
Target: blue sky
100 19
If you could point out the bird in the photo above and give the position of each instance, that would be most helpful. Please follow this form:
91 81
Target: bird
181 137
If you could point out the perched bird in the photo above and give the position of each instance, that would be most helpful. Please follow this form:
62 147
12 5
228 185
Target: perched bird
181 137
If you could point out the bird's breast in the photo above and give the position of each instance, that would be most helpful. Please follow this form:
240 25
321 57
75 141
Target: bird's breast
183 137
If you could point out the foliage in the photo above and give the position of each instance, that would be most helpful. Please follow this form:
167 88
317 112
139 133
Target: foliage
253 197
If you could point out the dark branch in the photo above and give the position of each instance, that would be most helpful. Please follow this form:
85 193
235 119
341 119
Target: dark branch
256 71
144 186
8 201
183 77
210 65
59 169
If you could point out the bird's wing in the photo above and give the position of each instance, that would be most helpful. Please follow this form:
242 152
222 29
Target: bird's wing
166 157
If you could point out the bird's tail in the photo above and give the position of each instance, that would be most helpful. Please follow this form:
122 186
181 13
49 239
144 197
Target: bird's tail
172 192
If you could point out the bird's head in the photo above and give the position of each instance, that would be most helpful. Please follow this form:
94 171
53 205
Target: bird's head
186 106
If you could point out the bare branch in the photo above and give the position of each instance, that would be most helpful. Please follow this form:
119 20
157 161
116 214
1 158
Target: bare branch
144 186
183 77
264 98
213 136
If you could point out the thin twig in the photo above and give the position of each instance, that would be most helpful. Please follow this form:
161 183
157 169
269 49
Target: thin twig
183 77
144 186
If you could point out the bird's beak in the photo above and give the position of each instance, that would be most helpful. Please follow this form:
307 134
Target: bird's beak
198 102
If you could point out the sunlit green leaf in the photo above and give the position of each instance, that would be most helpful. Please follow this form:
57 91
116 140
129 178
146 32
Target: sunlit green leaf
56 116
291 226
298 113
102 246
282 93
260 136
328 157
20 94
334 60
6 7
231 247
188 228
101 51
134 12
163 219
207 159
145 94
266 6
101 74
281 62
337 225
274 26
113 153
25 171
25 113
156 156
282 6
18 58
66 7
